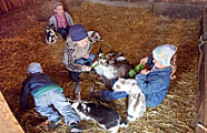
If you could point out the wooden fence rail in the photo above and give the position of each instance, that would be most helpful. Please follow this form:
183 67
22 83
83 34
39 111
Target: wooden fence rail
10 5
201 94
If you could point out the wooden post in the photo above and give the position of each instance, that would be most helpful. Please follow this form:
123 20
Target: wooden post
201 95
5 6
16 4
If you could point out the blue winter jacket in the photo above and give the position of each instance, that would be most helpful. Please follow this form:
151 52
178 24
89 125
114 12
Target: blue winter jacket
155 84
33 85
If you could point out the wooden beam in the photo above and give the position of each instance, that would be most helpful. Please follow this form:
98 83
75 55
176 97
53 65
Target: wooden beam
3 6
16 4
201 95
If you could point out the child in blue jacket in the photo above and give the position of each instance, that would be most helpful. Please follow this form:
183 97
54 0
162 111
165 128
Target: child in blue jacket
154 83
47 93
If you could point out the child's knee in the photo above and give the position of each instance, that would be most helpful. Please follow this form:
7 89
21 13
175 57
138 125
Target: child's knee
74 76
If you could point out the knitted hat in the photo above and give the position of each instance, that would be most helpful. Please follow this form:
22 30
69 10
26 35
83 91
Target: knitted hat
164 53
77 32
34 67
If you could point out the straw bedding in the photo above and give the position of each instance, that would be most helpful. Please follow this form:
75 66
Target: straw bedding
133 32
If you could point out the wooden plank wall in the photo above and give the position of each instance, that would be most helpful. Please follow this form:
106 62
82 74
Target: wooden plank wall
201 95
10 5
202 92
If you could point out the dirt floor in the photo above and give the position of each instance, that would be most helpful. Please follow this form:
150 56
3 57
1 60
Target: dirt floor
135 33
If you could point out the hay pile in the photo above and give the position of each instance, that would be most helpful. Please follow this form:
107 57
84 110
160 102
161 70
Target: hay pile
133 32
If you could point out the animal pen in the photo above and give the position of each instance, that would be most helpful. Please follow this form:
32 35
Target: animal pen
132 27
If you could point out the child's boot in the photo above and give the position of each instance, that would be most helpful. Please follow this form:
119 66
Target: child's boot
54 123
76 90
75 128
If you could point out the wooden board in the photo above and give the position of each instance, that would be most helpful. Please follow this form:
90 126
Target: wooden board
5 6
8 122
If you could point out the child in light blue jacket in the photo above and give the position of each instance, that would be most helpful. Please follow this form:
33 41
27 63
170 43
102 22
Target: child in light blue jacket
154 83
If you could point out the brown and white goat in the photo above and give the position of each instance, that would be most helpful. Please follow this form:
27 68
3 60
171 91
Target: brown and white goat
136 99
114 65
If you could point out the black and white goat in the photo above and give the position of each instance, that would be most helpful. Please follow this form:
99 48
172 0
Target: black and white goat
106 117
94 36
51 36
136 99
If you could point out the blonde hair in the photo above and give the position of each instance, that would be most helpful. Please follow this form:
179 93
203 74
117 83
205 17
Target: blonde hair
56 4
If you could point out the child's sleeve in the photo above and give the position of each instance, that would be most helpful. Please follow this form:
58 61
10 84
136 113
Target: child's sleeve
151 86
69 19
25 91
52 20
150 62
69 61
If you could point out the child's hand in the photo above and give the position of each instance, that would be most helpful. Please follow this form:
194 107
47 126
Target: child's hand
86 56
144 71
87 68
144 60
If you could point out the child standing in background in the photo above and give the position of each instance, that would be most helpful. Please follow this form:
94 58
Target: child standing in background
61 20
77 56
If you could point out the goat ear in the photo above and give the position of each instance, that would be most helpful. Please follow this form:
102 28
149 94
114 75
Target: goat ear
100 53
70 101
100 49
83 105
120 54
